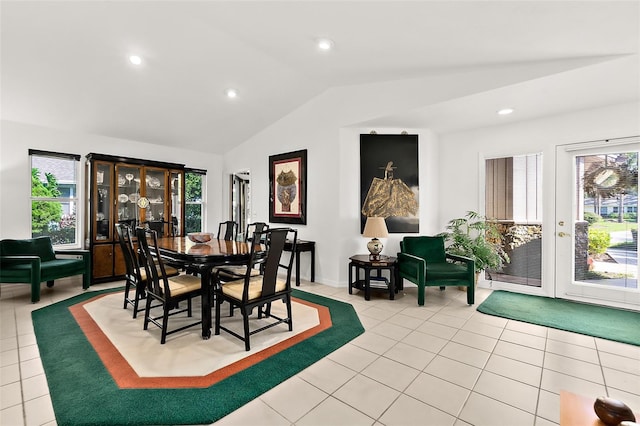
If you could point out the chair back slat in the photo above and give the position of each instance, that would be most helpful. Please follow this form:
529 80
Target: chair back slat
253 228
125 239
228 230
154 266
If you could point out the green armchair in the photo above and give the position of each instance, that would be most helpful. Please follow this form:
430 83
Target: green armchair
33 260
423 261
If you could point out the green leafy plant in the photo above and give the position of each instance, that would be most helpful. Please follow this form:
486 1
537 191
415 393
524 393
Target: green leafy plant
478 238
599 241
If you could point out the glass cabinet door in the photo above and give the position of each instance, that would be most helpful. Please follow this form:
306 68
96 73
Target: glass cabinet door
103 174
128 193
155 190
176 179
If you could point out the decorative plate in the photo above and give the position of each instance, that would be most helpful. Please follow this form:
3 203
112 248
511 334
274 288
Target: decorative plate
153 182
134 197
121 180
143 202
123 198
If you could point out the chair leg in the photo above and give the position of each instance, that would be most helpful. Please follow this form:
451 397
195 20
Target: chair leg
245 318
289 316
421 294
147 312
50 283
217 325
127 287
471 294
165 323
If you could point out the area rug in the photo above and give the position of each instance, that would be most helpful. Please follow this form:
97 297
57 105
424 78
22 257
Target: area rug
597 321
84 392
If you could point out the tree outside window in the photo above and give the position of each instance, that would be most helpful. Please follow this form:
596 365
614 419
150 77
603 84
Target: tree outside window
54 197
194 201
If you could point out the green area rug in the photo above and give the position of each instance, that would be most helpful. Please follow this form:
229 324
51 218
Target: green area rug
597 321
83 392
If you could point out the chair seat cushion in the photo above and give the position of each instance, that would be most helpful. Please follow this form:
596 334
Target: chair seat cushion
446 271
235 288
183 284
170 270
232 272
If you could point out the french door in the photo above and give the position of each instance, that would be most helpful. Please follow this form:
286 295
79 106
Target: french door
596 223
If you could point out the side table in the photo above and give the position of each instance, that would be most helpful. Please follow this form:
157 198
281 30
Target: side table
363 262
303 245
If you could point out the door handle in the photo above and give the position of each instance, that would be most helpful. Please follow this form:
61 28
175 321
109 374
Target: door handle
563 234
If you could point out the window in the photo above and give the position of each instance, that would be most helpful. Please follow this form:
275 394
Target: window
54 197
513 197
194 200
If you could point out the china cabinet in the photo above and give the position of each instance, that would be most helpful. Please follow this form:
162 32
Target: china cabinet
134 191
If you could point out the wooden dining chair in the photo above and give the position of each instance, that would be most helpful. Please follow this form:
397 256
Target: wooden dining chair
228 230
135 274
259 291
233 272
168 291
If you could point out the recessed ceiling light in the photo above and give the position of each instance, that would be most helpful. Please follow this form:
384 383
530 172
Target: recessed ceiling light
232 93
135 59
325 44
505 111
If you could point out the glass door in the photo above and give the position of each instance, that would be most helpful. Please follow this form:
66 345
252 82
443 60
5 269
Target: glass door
128 193
597 223
103 174
176 179
156 211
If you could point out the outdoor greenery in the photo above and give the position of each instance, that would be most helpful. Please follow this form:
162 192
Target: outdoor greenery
44 212
47 217
193 212
599 241
478 238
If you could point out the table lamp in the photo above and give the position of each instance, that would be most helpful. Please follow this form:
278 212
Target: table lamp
375 227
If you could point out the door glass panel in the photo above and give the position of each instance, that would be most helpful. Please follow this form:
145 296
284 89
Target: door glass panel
513 198
606 225
103 195
128 194
155 213
176 202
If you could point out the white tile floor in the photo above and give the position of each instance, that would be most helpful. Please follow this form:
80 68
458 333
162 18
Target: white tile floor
441 364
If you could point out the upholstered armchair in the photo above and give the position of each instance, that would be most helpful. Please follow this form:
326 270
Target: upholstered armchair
423 261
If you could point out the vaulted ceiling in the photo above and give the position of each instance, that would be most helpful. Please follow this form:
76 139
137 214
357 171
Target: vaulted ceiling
65 64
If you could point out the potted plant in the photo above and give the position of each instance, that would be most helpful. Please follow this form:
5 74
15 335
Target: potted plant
478 238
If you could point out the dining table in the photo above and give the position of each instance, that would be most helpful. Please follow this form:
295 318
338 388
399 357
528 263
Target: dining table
203 257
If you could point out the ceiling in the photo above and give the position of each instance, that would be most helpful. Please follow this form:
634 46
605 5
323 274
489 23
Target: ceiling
65 63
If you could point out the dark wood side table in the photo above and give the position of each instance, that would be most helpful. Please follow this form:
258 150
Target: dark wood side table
303 245
377 282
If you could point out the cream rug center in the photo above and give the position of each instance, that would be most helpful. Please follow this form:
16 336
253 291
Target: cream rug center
185 353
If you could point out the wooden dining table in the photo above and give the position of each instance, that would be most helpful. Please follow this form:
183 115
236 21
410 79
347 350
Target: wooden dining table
203 257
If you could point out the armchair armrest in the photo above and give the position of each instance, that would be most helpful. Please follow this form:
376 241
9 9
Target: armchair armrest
467 260
412 267
17 260
76 252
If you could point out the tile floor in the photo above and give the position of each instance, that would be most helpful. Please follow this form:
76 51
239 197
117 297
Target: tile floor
441 364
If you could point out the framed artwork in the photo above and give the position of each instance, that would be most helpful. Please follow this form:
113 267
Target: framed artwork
389 181
288 187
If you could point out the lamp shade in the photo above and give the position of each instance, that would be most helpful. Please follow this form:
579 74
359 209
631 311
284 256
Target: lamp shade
375 227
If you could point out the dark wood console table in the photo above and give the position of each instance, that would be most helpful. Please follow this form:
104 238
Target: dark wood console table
378 282
303 245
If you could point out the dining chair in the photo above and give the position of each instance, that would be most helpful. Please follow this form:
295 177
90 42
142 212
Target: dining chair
135 274
259 291
168 291
228 230
232 272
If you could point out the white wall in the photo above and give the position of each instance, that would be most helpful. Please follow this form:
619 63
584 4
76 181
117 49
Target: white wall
15 171
461 181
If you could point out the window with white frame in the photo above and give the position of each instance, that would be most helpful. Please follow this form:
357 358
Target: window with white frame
194 200
54 197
